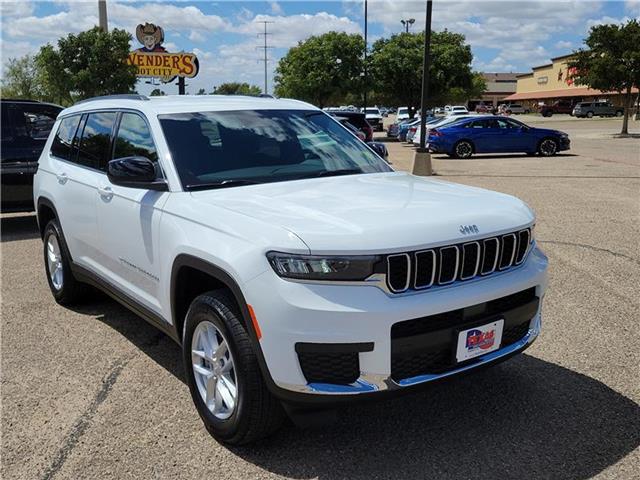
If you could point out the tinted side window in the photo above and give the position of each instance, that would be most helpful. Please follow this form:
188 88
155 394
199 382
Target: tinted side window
5 123
38 121
134 138
94 148
62 142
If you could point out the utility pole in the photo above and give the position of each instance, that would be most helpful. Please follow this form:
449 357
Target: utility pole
365 59
102 15
422 158
265 48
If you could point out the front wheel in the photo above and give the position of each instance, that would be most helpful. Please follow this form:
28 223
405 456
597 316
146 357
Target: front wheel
548 147
463 149
223 374
619 113
589 114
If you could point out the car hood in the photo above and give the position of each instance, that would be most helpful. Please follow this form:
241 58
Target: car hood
549 131
373 213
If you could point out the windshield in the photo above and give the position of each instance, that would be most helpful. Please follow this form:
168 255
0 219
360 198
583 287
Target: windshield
214 149
403 111
372 110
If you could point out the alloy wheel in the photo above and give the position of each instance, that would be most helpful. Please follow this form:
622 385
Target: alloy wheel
214 370
54 262
464 150
548 147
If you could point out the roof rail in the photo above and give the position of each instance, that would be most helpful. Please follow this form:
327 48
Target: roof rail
24 100
121 96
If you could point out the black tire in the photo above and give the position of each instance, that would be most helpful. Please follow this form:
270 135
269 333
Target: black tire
70 290
619 113
547 147
527 112
463 149
589 114
257 412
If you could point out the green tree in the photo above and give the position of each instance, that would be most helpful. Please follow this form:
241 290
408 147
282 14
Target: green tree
236 88
21 79
156 92
322 69
611 62
86 65
396 69
202 91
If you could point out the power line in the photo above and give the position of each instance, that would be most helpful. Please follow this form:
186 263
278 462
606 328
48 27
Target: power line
265 48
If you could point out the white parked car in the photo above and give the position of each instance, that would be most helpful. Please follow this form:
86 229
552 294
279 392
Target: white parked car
374 117
457 110
289 261
403 113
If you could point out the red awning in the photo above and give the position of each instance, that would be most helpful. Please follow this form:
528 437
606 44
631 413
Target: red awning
568 92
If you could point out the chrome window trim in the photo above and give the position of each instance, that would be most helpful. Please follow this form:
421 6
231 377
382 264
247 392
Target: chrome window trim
433 270
495 260
455 271
475 271
408 280
526 252
513 250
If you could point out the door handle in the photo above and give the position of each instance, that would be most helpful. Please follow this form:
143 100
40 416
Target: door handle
62 178
105 192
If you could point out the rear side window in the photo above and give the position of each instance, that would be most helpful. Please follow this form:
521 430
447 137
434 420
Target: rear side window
134 138
95 144
63 141
38 121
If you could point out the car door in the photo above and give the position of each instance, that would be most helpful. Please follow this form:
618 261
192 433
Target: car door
74 158
129 218
484 134
515 136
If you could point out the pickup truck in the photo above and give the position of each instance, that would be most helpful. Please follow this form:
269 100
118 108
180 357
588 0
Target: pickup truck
561 106
601 109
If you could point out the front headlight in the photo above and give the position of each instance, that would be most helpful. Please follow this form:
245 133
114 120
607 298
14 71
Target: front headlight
317 267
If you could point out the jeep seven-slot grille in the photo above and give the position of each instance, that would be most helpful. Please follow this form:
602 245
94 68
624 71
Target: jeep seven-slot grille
449 263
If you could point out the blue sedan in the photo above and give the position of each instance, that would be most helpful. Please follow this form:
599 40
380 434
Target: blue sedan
494 134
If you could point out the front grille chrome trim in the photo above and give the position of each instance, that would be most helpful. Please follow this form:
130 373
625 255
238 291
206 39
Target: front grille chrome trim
513 250
475 270
484 252
526 232
455 270
408 280
433 269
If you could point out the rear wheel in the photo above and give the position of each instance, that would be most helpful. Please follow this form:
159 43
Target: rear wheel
223 373
463 149
65 288
548 147
619 113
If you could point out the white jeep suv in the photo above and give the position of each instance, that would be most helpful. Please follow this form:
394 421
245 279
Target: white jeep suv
292 264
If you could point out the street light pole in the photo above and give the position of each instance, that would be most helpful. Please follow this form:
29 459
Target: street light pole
365 59
102 15
407 23
422 158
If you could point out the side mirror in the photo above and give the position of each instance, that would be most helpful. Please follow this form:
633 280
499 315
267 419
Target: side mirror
135 172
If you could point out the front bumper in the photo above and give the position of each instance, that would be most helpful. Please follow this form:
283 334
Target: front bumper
291 313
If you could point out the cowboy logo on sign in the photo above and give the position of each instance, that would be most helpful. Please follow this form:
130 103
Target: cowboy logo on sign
151 37
153 60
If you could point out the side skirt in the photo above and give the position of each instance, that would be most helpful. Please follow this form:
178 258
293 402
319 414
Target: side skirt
87 276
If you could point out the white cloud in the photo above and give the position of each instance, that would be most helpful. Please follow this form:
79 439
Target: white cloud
196 36
276 8
20 8
287 31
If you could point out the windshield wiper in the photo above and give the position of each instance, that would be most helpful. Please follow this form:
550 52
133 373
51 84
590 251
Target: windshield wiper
220 184
335 173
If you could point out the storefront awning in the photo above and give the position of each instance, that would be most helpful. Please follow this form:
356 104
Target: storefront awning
562 93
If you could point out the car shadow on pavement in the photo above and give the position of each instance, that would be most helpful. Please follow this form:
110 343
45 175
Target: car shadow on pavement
484 156
24 227
525 418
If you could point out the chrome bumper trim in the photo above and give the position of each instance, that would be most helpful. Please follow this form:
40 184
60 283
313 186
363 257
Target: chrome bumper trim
368 383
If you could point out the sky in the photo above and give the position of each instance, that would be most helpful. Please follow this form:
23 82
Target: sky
505 36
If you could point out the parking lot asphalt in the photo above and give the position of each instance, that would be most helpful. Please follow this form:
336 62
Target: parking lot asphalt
95 392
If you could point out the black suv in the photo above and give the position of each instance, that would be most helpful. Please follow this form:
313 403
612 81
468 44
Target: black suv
25 127
356 119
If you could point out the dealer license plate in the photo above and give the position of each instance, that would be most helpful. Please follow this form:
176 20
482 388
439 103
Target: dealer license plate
477 341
